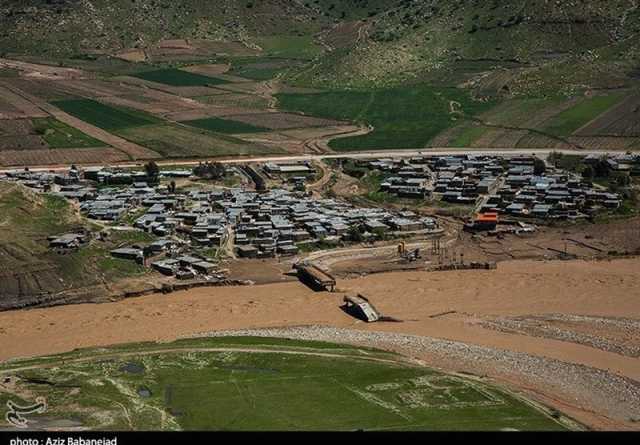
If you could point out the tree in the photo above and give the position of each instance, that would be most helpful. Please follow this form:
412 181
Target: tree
355 234
588 173
554 158
152 170
539 167
601 167
621 179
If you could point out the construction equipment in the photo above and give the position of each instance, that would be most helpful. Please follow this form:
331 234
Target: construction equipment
411 256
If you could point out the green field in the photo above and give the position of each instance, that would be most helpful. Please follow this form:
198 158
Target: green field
245 383
468 136
294 47
178 78
105 116
565 123
60 135
218 125
262 68
406 117
170 140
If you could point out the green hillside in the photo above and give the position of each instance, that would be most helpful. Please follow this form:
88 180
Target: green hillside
484 54
497 47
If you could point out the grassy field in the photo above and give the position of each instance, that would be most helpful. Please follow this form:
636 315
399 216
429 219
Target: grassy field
565 123
262 68
218 125
105 116
469 135
248 383
294 47
178 78
405 117
60 135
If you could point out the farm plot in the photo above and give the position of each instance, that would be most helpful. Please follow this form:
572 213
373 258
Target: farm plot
282 121
604 142
403 117
42 133
186 91
218 125
208 69
572 119
515 115
16 127
262 70
200 113
294 47
97 88
195 91
179 78
22 142
242 87
44 89
104 116
235 100
533 140
174 141
14 106
246 383
20 134
60 135
621 120
62 156
144 104
211 47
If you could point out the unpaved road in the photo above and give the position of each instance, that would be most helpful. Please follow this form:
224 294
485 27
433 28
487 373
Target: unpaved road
445 306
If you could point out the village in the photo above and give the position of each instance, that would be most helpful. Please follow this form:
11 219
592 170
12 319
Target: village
270 214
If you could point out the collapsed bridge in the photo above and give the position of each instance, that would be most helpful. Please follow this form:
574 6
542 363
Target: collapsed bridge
315 277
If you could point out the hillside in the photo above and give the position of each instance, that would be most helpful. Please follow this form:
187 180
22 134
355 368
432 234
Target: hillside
526 74
30 272
506 47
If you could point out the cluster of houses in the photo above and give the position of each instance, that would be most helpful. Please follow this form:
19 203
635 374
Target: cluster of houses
623 163
263 225
278 221
255 224
501 185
